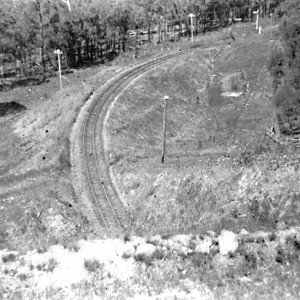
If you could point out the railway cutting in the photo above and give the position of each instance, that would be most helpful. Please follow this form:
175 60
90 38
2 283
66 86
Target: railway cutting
108 208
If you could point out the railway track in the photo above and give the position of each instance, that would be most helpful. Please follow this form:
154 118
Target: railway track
108 208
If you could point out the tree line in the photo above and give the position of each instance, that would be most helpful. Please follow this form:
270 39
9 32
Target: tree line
94 30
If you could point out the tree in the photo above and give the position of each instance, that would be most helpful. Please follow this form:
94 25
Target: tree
19 34
218 10
123 18
151 9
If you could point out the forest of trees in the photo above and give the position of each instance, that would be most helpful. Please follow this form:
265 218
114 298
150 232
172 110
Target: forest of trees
284 67
30 30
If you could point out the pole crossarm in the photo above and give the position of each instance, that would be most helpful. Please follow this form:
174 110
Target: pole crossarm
68 3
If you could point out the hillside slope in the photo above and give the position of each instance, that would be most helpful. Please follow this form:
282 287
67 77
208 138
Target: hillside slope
222 170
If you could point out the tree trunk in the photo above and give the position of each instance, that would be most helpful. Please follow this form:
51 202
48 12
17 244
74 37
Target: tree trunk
42 37
92 50
124 43
268 8
71 57
101 51
159 32
149 33
79 55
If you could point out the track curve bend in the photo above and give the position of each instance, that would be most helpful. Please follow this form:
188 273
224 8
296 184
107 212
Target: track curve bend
108 208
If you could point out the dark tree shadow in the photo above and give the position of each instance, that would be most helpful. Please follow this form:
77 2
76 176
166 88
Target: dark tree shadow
12 107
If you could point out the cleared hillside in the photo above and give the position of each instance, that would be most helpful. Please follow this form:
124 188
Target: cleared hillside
221 169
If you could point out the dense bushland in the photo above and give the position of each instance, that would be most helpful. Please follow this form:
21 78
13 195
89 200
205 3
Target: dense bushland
284 66
96 30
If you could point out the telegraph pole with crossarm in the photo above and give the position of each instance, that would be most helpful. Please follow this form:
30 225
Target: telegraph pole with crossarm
59 53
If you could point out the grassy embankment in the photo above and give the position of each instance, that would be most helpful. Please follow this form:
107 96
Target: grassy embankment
221 170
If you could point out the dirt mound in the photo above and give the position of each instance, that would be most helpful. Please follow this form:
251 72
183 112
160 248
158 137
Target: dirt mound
12 107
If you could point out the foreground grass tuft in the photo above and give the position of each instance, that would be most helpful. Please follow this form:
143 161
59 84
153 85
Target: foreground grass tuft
92 265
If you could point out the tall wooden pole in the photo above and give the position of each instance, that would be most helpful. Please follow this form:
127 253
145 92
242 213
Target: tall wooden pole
192 27
271 16
166 98
59 68
1 67
257 19
39 4
59 53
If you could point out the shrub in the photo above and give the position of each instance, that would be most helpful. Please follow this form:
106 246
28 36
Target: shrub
287 100
92 265
47 267
52 264
10 257
70 245
276 67
245 158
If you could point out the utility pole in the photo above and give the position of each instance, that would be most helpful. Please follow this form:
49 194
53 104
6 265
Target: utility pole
271 16
192 28
160 26
1 67
257 13
59 53
166 98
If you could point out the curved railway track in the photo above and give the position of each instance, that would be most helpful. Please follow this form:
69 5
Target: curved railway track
108 208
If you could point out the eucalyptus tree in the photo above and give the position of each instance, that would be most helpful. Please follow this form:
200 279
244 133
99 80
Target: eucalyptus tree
123 18
151 10
218 10
19 32
7 24
237 8
199 9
